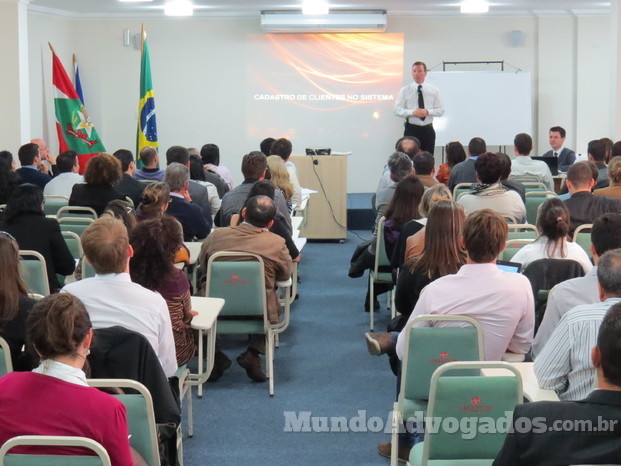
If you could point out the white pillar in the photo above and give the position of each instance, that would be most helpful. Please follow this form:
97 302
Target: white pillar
615 100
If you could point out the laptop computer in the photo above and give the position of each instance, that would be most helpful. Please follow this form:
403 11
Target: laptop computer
513 267
552 163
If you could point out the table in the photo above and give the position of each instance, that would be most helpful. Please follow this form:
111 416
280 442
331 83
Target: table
530 385
205 322
194 247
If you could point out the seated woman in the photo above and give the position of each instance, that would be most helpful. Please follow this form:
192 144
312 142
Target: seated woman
279 176
614 174
55 399
28 224
403 207
154 201
102 173
552 243
455 154
14 303
155 243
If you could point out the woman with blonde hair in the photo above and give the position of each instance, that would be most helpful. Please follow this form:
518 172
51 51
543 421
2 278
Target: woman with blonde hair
279 176
614 174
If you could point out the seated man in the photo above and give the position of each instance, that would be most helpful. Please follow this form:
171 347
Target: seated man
32 170
583 206
151 169
424 167
464 172
253 236
490 194
196 225
597 154
67 174
400 166
408 145
129 186
282 148
513 185
523 165
111 298
594 435
564 364
566 157
605 235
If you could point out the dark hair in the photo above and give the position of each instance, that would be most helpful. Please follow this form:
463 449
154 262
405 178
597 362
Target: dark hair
403 206
210 153
424 163
147 155
580 174
443 253
616 149
523 143
155 242
66 161
419 63
121 210
485 235
606 233
27 153
6 156
477 146
266 146
488 167
260 211
8 181
558 129
609 272
505 164
608 148
409 145
609 345
281 147
25 199
262 188
455 153
597 150
553 224
11 283
197 172
253 165
125 157
57 325
177 154
104 169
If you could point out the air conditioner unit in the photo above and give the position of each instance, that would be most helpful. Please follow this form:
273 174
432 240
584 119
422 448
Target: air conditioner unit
336 21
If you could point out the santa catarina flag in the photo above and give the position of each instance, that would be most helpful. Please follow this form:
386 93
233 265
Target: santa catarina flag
147 127
73 126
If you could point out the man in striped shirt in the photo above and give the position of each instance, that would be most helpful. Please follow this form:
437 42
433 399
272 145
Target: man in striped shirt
564 364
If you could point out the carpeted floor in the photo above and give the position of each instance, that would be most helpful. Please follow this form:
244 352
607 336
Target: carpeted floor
322 369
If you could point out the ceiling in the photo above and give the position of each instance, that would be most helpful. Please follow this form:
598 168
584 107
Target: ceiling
114 8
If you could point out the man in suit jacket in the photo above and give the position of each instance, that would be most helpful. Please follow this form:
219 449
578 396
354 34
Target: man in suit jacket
464 172
195 224
128 186
566 157
31 170
574 432
253 236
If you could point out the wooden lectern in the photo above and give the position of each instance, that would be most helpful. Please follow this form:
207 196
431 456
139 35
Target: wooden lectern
326 210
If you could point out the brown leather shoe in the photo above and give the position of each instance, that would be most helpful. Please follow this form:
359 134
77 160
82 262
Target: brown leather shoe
378 343
252 363
221 364
403 453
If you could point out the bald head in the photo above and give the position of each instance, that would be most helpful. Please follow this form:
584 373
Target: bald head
259 211
43 150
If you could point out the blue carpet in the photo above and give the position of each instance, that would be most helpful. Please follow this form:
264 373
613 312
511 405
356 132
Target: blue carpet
321 367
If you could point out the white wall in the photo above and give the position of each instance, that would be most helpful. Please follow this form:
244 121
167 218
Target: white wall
198 68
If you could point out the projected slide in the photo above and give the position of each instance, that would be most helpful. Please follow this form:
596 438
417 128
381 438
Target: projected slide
323 89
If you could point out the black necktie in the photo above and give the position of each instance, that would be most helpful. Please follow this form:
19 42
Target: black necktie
556 154
421 101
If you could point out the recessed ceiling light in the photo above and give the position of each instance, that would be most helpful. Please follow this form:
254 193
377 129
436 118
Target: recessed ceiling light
474 6
179 8
315 7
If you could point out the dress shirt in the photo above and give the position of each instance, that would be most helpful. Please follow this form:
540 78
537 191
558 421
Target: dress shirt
463 172
507 203
62 371
385 180
407 101
564 364
62 184
291 165
524 165
538 249
562 298
113 299
212 195
224 173
502 303
296 197
556 153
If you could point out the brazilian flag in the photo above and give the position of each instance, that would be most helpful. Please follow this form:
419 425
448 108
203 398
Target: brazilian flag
147 127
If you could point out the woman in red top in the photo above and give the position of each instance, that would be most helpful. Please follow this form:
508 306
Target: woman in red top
455 154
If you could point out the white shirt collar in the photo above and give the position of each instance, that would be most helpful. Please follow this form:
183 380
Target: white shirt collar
558 152
180 196
62 371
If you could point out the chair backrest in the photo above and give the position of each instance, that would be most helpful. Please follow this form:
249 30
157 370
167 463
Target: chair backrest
6 365
75 224
460 189
53 203
522 231
76 212
534 199
140 417
16 459
531 186
34 272
526 178
74 243
582 237
382 262
238 278
513 246
510 219
478 400
426 348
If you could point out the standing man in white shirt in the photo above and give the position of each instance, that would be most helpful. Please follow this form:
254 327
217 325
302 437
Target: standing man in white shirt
419 103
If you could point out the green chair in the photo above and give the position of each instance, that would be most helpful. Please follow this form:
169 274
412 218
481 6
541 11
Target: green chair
525 178
522 231
75 224
533 200
426 348
185 393
478 400
531 186
460 189
76 212
88 271
6 365
582 237
239 278
16 459
34 272
513 246
381 271
53 203
510 219
140 417
74 243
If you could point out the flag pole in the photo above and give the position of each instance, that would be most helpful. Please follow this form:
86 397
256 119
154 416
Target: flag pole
74 62
52 48
142 40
